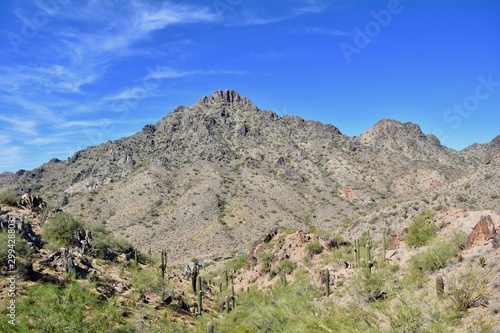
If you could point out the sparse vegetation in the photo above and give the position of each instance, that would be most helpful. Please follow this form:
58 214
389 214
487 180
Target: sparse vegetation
8 197
62 228
421 230
314 248
438 255
285 266
469 289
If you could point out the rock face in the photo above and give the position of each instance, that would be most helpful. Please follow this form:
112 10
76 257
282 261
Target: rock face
226 97
216 175
32 202
482 232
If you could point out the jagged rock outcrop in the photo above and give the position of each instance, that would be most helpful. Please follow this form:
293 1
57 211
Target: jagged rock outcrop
226 97
22 227
484 231
32 202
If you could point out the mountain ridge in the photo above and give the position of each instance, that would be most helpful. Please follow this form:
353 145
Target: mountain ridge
208 179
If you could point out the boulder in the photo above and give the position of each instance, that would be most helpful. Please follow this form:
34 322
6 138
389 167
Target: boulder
32 202
482 232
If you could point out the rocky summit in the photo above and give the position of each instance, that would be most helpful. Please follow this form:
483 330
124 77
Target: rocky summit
209 179
223 217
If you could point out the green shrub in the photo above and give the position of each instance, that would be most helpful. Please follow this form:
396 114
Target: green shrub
21 253
62 229
421 230
103 243
469 289
237 263
374 284
265 260
21 248
286 309
439 254
9 197
73 308
314 248
285 266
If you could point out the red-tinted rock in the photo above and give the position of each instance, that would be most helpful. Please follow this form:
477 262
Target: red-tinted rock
482 232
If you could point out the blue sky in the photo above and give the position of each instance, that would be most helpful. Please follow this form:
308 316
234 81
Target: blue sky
79 73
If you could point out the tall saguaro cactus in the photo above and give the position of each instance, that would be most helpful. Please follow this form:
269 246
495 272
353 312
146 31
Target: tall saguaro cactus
384 246
199 283
356 252
368 252
163 265
194 276
327 282
200 301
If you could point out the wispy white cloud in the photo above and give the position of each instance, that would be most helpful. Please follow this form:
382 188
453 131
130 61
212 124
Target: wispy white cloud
312 7
44 141
84 123
258 17
10 155
17 125
322 31
138 20
170 73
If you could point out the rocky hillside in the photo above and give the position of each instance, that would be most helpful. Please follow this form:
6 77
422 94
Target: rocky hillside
210 178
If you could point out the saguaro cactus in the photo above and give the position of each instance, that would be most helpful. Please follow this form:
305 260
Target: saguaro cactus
210 327
327 282
356 252
194 277
163 265
200 301
283 278
368 251
199 282
439 285
233 297
384 246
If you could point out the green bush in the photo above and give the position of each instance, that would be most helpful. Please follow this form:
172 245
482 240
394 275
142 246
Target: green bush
103 243
439 254
265 260
62 229
469 289
314 248
374 284
9 197
48 308
285 266
421 230
286 309
21 253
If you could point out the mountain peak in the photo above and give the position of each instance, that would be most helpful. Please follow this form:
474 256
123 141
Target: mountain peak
226 97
